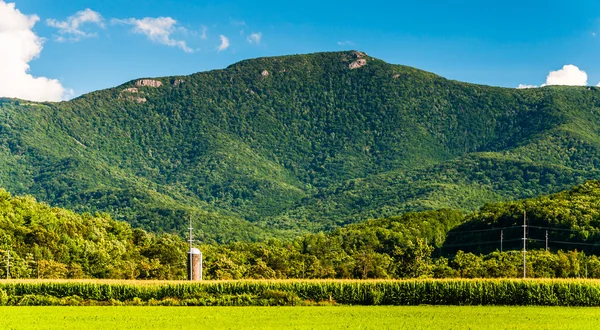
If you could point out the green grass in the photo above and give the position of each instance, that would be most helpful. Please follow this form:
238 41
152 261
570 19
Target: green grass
325 317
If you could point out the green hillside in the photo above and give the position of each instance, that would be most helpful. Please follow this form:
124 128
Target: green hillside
571 219
274 147
441 243
48 242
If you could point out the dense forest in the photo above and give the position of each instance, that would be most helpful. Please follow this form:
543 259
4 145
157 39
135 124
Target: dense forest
47 242
443 243
284 146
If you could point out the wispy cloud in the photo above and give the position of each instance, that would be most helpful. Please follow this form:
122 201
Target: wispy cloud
157 29
19 46
224 43
345 43
255 38
70 29
203 33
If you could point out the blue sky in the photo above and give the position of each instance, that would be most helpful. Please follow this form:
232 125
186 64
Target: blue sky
502 43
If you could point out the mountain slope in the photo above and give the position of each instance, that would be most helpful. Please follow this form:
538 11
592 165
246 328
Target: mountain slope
283 145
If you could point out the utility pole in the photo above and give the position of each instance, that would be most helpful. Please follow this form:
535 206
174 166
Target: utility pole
190 251
524 244
501 238
546 241
7 264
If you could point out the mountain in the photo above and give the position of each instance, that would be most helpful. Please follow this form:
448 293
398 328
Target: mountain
275 147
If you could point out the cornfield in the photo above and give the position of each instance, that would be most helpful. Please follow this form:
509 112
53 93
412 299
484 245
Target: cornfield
301 292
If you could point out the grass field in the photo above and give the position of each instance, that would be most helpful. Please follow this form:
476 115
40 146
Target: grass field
318 317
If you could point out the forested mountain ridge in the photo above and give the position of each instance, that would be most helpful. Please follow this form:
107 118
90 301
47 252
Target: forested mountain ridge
284 145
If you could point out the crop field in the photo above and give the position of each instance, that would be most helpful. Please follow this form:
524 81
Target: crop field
316 317
497 292
300 292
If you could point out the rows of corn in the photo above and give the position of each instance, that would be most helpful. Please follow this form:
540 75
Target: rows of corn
232 293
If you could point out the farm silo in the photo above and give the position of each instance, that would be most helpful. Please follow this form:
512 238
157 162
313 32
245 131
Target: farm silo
194 265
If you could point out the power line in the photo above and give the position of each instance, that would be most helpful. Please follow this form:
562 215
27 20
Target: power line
482 243
482 230
529 239
550 228
574 243
510 227
527 231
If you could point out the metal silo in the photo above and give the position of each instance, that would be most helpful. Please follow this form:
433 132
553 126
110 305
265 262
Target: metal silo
194 265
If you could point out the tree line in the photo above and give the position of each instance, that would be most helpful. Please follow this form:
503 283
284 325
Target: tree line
47 242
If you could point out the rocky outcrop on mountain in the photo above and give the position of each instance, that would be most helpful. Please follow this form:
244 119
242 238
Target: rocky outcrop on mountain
126 94
178 82
358 63
265 73
148 83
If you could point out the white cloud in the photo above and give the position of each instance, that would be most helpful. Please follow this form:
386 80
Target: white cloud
345 43
71 27
521 86
224 43
255 38
569 75
157 29
18 46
